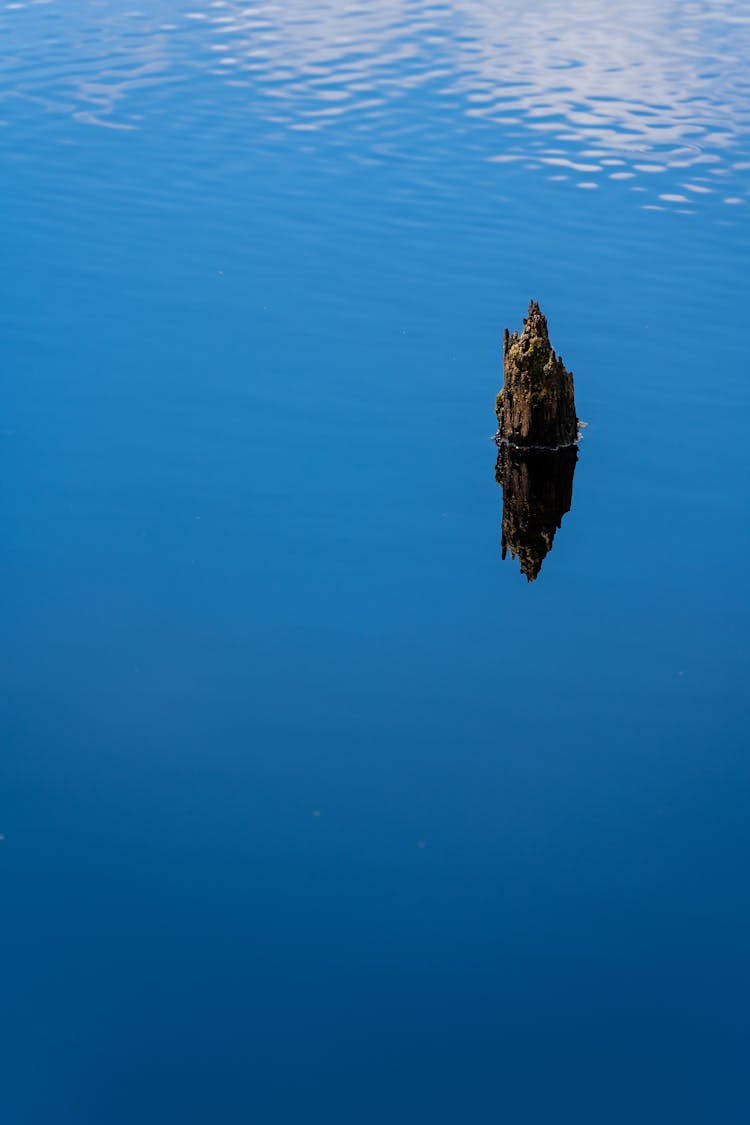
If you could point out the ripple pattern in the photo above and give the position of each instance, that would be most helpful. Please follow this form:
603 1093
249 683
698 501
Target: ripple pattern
651 98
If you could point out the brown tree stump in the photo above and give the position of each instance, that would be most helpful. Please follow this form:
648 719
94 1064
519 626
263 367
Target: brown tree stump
536 407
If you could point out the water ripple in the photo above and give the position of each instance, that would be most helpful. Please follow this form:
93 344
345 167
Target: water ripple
589 94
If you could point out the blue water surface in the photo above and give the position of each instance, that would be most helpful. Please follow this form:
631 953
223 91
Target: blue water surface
313 808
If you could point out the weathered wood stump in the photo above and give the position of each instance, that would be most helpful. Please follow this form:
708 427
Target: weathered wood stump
536 406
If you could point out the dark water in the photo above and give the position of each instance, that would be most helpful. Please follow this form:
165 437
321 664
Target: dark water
314 809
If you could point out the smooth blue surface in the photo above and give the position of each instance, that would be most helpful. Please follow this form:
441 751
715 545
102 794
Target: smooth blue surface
313 809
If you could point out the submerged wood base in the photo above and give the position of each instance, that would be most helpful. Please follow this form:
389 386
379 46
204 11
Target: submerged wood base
537 492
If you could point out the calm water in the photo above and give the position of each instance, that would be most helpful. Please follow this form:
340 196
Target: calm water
313 808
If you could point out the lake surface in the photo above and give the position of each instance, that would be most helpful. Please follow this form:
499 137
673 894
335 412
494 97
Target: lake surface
314 808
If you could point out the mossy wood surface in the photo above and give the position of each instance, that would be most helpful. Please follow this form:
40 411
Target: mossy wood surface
536 406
